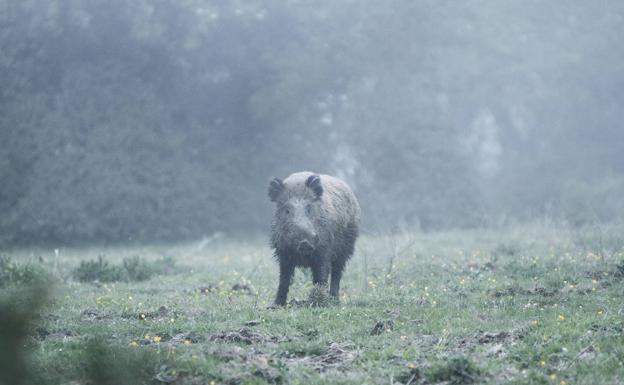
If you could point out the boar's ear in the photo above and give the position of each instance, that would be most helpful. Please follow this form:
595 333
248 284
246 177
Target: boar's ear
314 183
276 186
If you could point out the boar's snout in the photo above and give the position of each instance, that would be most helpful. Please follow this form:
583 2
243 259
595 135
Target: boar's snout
305 247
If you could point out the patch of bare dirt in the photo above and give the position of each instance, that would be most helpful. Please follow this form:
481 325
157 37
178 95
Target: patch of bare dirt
587 353
93 315
496 342
159 314
242 287
506 292
242 364
185 338
246 336
503 336
336 357
207 289
383 326
611 329
60 334
513 291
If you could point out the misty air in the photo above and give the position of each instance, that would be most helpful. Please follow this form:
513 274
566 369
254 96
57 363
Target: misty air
288 192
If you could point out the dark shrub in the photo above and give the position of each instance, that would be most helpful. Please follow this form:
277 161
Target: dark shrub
98 270
132 269
18 274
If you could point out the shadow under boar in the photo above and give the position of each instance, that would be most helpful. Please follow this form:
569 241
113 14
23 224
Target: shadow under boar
315 226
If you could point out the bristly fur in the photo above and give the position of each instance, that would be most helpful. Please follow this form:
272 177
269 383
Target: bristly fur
321 211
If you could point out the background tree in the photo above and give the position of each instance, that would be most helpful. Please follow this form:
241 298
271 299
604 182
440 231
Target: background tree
163 121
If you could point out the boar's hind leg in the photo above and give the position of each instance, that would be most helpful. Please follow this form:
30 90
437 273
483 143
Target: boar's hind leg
347 241
287 270
336 274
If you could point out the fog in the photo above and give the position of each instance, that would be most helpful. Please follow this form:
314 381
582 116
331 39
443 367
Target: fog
143 121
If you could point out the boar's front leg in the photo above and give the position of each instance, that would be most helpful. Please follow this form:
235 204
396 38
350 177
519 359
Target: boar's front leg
320 271
336 274
287 270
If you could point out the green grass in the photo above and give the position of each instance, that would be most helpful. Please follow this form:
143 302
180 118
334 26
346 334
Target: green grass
533 304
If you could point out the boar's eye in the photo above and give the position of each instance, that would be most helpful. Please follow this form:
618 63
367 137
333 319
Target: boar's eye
286 210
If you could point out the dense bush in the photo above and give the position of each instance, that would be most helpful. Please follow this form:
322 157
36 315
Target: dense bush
98 270
12 273
132 269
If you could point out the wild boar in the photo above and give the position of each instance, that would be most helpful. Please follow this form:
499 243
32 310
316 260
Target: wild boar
315 226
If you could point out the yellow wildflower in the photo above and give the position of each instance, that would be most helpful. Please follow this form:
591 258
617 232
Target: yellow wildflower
157 339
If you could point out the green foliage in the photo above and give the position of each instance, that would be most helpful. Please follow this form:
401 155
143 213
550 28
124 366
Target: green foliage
12 273
98 270
132 269
137 269
166 265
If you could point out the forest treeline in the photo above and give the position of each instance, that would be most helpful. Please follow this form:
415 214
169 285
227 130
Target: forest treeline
161 121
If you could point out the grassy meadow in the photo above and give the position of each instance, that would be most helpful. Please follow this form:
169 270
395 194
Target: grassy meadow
535 304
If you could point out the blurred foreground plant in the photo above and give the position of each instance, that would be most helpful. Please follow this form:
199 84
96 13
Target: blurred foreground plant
19 308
